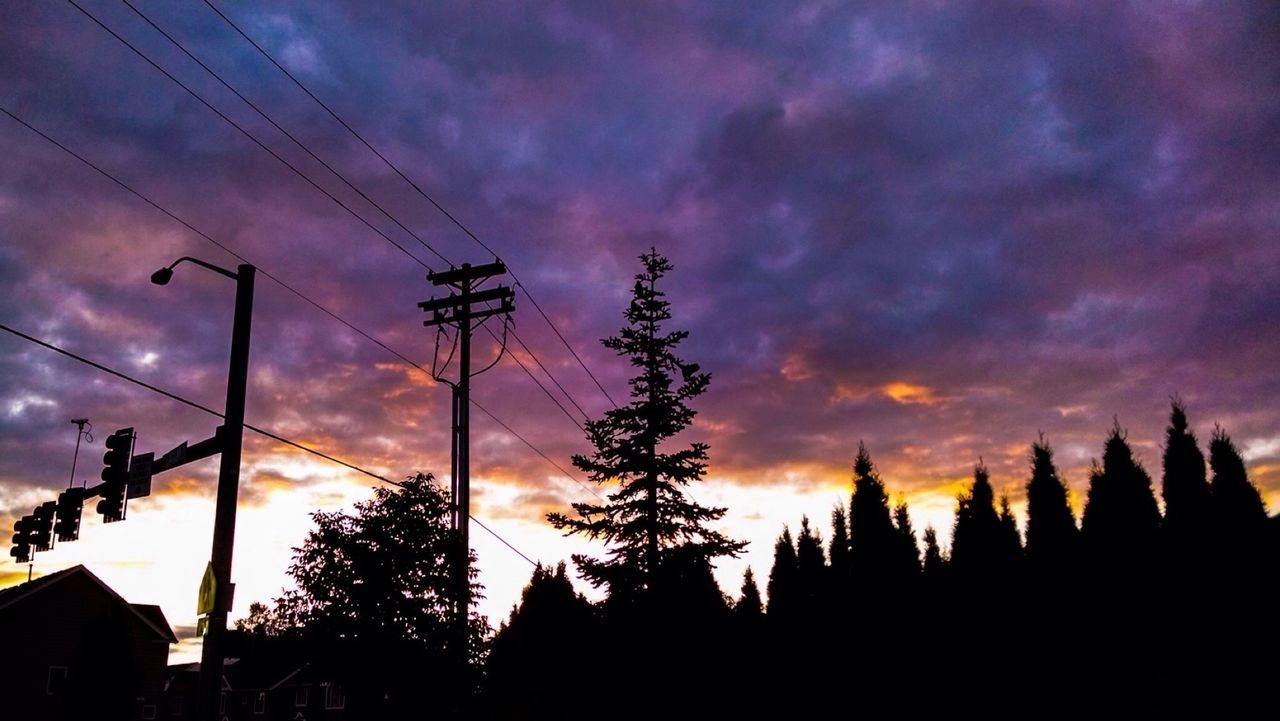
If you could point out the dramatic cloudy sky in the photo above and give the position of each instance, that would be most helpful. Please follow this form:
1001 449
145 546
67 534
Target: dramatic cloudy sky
939 227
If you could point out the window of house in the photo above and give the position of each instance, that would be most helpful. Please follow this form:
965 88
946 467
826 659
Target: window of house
301 695
148 711
334 698
57 681
260 703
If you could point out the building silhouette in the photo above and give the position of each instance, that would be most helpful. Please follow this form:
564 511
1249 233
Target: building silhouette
74 649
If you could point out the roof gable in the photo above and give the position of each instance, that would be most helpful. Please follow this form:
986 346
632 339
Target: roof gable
150 615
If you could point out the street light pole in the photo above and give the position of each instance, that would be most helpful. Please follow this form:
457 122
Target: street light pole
224 519
230 438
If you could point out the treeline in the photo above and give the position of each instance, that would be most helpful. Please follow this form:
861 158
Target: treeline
1130 608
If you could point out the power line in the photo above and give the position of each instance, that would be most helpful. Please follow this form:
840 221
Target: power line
534 378
416 188
286 133
298 172
283 284
205 236
544 370
478 522
255 429
248 135
535 449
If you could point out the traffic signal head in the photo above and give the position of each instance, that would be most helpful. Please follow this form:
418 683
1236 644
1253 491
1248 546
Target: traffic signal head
21 551
70 504
116 460
40 533
112 504
115 474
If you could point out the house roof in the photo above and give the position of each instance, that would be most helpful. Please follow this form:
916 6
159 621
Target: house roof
150 615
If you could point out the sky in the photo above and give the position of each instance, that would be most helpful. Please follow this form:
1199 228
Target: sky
940 228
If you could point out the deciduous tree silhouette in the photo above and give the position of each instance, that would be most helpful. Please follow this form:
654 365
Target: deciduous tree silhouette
649 520
376 584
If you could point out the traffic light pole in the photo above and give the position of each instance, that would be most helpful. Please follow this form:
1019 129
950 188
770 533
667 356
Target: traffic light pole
224 522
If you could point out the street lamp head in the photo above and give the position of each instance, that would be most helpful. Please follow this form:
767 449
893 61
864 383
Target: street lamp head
162 276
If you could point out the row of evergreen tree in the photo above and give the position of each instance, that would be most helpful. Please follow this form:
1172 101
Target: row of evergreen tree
1218 523
1129 607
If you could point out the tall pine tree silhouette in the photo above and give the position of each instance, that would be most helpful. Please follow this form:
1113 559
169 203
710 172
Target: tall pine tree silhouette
1052 536
935 565
649 521
749 605
1239 515
908 550
811 566
528 654
838 552
1121 518
976 545
873 541
1185 487
784 579
1010 547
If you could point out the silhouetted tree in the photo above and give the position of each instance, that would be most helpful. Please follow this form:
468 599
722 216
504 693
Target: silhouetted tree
838 552
908 551
379 583
935 565
875 552
1184 486
1121 518
976 547
784 579
529 653
649 520
262 621
749 605
1052 536
811 568
1010 547
1239 514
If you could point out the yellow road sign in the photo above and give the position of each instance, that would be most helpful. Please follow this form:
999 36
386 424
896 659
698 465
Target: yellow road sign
208 591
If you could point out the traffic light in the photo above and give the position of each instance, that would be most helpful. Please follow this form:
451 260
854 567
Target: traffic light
21 550
70 504
115 474
116 460
40 533
112 504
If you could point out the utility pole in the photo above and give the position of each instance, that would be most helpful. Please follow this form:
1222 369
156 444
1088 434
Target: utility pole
458 310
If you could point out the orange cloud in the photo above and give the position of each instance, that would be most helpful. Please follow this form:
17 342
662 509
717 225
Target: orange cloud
796 368
909 393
